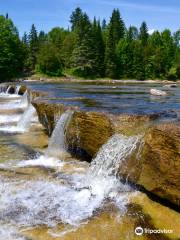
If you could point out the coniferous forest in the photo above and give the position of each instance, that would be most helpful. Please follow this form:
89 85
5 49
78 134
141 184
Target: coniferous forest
90 49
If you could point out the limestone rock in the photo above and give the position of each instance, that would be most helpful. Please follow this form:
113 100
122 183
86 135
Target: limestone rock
156 166
157 92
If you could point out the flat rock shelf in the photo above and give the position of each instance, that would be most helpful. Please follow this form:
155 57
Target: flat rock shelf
89 161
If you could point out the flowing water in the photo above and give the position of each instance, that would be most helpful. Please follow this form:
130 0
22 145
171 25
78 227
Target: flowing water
46 194
57 142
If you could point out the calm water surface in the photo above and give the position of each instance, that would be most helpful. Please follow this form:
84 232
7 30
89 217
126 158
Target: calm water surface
114 98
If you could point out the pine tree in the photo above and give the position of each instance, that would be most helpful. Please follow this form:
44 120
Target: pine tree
116 31
99 48
42 38
76 18
33 46
25 39
143 36
104 25
83 59
132 33
11 50
117 25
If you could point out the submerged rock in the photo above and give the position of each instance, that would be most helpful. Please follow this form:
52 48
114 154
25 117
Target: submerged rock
156 166
157 92
170 86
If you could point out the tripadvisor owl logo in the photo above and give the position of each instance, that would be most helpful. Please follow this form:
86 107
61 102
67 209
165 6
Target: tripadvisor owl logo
139 231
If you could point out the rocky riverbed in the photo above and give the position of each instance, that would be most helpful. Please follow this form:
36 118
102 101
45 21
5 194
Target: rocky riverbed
112 162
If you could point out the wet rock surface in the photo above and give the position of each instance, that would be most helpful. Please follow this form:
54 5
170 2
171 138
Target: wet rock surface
146 152
156 165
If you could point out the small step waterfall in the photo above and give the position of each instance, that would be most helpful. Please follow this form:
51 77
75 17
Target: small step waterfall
112 154
7 91
24 100
26 118
57 141
17 89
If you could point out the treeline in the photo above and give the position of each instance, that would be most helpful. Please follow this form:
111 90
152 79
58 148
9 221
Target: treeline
90 49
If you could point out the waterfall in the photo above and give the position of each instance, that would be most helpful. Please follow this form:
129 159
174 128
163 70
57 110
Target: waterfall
57 141
7 91
26 118
3 89
17 90
112 154
24 100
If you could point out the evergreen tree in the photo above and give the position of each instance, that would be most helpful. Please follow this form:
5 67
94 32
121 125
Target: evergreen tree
11 50
76 18
49 60
57 36
143 35
91 49
88 54
116 31
42 38
83 59
67 48
25 39
99 48
33 47
132 33
104 25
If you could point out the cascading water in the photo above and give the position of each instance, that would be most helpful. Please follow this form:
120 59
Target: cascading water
75 200
24 100
42 201
112 154
7 91
57 144
25 121
21 102
17 90
56 151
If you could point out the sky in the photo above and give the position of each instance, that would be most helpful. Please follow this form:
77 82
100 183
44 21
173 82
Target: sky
46 14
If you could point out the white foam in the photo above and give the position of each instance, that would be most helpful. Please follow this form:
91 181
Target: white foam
12 129
9 118
43 202
24 122
39 202
26 118
112 154
42 161
9 96
8 232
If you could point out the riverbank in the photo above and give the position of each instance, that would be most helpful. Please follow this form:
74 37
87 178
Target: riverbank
71 79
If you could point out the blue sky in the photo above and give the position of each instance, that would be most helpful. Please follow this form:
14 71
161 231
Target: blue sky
45 14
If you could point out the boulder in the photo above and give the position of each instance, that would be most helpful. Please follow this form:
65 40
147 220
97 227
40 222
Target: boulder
170 86
88 131
157 92
48 113
156 163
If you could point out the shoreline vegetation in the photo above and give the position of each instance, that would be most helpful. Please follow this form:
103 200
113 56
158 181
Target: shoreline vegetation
89 49
70 79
